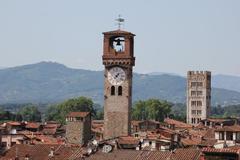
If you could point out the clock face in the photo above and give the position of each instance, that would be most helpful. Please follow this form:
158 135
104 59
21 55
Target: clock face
116 76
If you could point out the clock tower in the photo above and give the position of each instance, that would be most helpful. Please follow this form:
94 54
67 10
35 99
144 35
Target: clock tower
118 59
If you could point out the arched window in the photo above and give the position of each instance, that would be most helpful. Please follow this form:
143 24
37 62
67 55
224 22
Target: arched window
120 90
112 90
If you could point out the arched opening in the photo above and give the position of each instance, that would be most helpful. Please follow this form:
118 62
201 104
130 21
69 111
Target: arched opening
117 43
112 90
120 90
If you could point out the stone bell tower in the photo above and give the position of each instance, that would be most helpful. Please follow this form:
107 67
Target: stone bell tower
198 96
118 59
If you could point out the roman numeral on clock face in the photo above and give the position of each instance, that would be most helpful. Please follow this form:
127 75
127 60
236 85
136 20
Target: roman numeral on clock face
116 76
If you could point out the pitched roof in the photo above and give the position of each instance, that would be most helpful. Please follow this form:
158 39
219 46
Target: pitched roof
191 141
128 140
186 154
41 152
179 154
222 150
178 124
234 128
14 123
32 125
118 32
78 114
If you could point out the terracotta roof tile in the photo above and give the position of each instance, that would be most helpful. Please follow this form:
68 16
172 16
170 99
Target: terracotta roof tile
41 152
178 124
222 150
14 123
179 154
234 128
78 114
128 140
32 125
186 154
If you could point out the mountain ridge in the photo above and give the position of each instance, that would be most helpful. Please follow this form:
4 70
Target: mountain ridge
51 82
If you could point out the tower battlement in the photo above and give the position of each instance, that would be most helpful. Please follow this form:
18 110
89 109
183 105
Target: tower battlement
193 73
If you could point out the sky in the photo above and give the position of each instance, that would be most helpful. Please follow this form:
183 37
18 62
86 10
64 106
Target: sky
171 35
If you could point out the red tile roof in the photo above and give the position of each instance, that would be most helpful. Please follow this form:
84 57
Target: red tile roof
222 150
41 152
179 154
191 142
14 123
186 154
78 114
128 140
234 128
32 125
178 124
50 129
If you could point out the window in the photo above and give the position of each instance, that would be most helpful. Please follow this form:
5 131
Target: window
193 111
199 103
199 112
79 118
238 136
229 136
193 93
120 90
193 103
221 135
112 90
199 93
193 84
193 120
199 84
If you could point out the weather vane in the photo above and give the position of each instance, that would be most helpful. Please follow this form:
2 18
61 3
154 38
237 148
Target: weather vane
120 21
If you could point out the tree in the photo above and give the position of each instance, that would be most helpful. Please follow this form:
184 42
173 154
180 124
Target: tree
60 111
30 113
151 109
139 111
178 112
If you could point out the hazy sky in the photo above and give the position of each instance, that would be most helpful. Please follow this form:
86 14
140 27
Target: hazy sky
171 35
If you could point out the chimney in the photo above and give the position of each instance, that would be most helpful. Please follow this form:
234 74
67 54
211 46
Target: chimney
221 125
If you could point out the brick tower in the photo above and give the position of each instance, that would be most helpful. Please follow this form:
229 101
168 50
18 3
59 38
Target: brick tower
118 59
78 128
198 96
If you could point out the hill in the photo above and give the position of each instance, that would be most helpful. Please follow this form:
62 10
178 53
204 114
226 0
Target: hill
48 82
226 82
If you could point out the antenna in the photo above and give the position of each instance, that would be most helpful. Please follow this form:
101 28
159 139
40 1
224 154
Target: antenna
120 21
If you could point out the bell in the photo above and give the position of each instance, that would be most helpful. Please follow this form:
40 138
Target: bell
118 42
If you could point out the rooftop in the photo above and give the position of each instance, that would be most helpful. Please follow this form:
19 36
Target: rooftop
78 114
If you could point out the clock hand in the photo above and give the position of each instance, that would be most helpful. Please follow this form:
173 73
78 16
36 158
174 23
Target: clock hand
116 76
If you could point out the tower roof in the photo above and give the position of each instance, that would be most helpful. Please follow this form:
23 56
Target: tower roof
78 114
118 32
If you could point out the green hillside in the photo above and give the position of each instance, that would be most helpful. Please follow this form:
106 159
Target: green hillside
49 82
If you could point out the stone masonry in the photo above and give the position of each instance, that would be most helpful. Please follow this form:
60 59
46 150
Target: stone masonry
198 96
78 128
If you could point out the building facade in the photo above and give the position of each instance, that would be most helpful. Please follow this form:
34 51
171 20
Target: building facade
198 96
118 59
